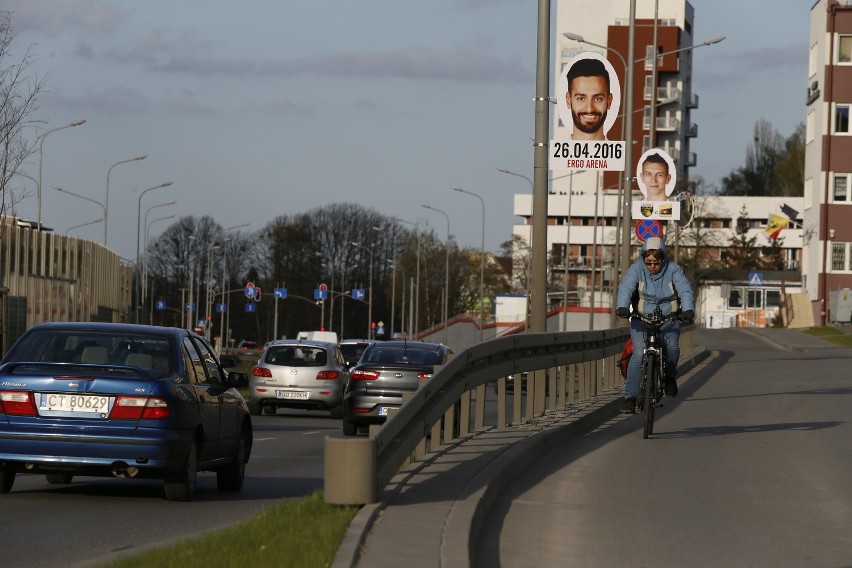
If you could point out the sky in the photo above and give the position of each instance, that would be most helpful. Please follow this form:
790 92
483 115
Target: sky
262 108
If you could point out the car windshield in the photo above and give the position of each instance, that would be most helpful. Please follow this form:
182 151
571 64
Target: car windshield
402 356
296 356
93 347
352 351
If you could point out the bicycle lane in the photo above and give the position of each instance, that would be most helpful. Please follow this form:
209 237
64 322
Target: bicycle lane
747 466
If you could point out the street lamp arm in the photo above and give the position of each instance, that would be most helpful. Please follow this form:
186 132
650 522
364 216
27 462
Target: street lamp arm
41 159
106 200
511 173
63 190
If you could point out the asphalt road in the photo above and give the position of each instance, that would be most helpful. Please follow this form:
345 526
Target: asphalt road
749 466
91 520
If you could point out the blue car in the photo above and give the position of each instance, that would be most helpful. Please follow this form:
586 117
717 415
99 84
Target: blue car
121 400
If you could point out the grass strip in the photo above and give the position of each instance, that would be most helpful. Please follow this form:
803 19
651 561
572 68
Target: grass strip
830 334
297 533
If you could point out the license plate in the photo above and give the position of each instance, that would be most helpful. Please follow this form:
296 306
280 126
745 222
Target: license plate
383 411
74 402
300 395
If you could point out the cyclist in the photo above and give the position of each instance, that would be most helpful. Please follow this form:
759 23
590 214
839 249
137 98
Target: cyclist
653 280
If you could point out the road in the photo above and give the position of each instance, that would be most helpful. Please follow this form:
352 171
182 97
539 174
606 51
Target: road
749 466
84 523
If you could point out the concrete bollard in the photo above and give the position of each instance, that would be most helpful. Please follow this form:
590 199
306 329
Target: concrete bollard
350 471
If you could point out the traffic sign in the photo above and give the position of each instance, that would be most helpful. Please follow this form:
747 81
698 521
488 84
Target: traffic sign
321 293
647 228
160 305
755 279
220 308
280 293
249 291
359 294
190 307
250 308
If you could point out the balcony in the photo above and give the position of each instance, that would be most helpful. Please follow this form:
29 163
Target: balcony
667 124
693 102
690 160
692 132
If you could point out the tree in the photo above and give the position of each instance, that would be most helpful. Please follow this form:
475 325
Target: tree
18 101
743 251
773 165
696 244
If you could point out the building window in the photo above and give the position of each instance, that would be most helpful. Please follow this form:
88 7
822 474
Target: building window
735 298
773 298
841 188
839 257
841 119
844 49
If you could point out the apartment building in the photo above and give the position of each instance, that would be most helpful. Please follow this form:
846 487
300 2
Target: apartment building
827 256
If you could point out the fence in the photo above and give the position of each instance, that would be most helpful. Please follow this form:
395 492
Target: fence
562 367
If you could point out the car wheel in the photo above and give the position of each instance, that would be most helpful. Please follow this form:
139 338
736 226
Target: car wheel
337 412
181 485
254 407
231 477
7 479
59 478
349 428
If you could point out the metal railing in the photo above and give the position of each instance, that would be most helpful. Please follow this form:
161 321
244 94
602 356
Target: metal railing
562 367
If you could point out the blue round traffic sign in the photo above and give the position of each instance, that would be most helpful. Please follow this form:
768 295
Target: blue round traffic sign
647 228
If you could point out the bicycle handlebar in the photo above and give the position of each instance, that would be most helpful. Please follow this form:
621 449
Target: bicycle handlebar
657 317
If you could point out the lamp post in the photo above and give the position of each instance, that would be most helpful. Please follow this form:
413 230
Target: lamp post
106 201
481 263
208 318
416 297
41 159
148 226
145 250
63 190
223 333
138 227
446 270
69 229
370 303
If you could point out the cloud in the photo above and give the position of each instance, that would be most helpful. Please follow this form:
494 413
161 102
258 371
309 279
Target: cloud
124 100
81 18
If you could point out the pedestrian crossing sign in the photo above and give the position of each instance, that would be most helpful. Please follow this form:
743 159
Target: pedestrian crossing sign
755 279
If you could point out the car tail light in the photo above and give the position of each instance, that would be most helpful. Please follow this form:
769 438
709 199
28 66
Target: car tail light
261 372
327 375
364 375
424 376
139 407
17 402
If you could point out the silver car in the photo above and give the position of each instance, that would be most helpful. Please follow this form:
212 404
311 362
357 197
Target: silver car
298 374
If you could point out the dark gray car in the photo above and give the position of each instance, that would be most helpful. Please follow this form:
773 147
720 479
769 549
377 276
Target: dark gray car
386 371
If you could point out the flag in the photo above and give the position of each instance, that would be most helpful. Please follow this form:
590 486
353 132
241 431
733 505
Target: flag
789 211
775 224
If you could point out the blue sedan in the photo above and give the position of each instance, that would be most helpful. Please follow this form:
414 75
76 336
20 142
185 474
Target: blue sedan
121 400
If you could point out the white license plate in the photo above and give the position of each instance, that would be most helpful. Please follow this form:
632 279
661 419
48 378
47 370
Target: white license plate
300 395
74 402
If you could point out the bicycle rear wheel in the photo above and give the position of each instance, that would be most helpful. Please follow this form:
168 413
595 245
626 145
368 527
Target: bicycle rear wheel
650 370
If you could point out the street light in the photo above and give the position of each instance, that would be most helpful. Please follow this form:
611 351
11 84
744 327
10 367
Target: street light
370 303
41 158
148 226
106 201
223 332
481 262
69 229
416 302
446 270
138 219
101 205
145 249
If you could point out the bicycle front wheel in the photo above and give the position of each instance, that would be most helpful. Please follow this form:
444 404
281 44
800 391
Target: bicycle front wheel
650 370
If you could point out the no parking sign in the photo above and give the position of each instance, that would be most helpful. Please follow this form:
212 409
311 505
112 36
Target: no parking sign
647 228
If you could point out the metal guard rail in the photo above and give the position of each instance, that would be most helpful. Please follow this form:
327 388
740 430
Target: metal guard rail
357 469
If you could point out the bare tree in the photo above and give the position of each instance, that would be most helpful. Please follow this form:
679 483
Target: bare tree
18 101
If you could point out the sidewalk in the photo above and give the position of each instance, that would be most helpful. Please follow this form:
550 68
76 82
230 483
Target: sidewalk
433 509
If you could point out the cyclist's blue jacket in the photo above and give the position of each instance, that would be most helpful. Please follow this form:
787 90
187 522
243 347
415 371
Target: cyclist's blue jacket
645 291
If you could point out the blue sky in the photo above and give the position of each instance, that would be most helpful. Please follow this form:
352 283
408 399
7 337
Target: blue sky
260 108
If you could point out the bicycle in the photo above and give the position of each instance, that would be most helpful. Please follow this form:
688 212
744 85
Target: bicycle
652 378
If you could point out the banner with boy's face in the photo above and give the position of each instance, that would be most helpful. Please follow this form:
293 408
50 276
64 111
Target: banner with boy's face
656 175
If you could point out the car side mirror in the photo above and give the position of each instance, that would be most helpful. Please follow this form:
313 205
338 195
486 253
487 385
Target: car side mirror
236 379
